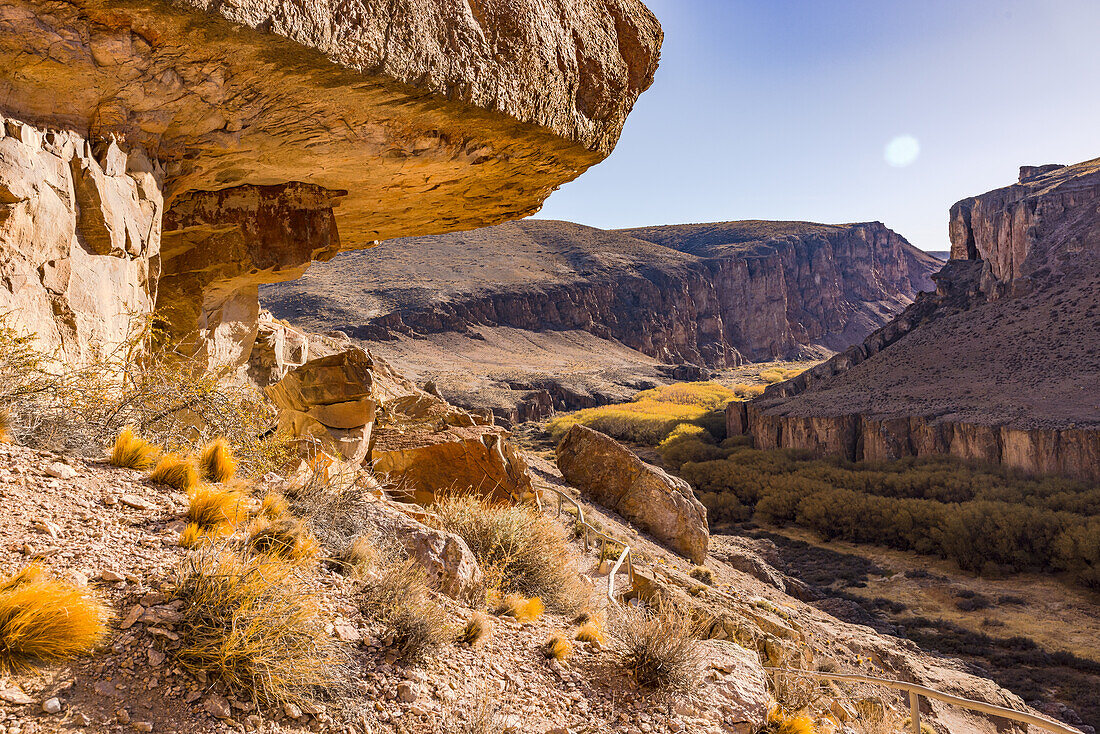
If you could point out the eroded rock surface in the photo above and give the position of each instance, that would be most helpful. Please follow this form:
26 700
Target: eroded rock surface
419 117
611 475
999 365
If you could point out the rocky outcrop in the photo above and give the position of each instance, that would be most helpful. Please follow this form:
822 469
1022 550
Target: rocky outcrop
739 686
711 295
429 448
79 239
611 475
257 116
329 401
998 365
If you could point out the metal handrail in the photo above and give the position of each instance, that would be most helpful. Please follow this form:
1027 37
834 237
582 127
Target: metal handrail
627 555
916 690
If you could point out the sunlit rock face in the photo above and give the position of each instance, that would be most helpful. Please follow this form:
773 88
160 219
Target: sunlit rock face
998 365
417 116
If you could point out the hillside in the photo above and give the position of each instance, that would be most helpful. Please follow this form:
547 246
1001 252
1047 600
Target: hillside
999 365
573 316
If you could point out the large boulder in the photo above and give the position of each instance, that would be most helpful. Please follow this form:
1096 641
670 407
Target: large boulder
260 116
735 685
428 448
450 564
608 473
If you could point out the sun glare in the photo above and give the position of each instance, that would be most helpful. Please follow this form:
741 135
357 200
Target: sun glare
902 151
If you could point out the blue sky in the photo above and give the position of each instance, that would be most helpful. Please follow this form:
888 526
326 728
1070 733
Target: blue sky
783 109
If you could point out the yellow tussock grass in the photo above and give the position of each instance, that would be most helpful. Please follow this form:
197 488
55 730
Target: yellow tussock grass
274 506
217 462
176 471
477 628
43 620
195 536
5 427
781 723
522 608
589 632
558 648
211 506
253 624
284 538
133 452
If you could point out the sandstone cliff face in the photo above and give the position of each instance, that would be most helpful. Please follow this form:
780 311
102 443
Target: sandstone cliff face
711 295
999 365
79 239
420 117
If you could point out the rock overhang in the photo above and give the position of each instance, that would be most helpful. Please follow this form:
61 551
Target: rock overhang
434 116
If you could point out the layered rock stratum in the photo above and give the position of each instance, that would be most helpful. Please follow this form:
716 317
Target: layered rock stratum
541 296
269 134
999 365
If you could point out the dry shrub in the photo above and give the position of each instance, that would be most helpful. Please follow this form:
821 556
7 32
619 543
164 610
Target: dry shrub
132 452
399 598
44 620
659 646
356 559
284 538
520 550
477 629
335 505
702 573
217 462
558 648
253 624
521 608
589 632
212 506
168 397
483 716
176 471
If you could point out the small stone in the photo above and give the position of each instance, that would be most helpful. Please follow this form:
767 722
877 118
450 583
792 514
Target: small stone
110 500
60 471
292 711
407 691
52 705
217 706
142 726
82 720
109 575
138 503
122 716
15 697
132 616
346 632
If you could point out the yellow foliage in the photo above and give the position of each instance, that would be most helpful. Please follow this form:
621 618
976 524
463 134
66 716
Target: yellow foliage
521 608
558 648
5 426
132 452
779 374
211 507
176 471
748 391
217 462
652 415
43 620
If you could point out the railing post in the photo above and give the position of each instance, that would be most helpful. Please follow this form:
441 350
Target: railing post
914 710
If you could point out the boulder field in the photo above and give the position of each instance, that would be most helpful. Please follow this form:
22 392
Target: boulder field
998 365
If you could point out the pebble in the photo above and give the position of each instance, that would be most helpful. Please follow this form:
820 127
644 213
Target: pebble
217 706
52 705
109 575
407 691
60 471
142 726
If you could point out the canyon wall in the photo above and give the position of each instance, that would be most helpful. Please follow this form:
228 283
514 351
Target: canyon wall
998 365
711 295
260 130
